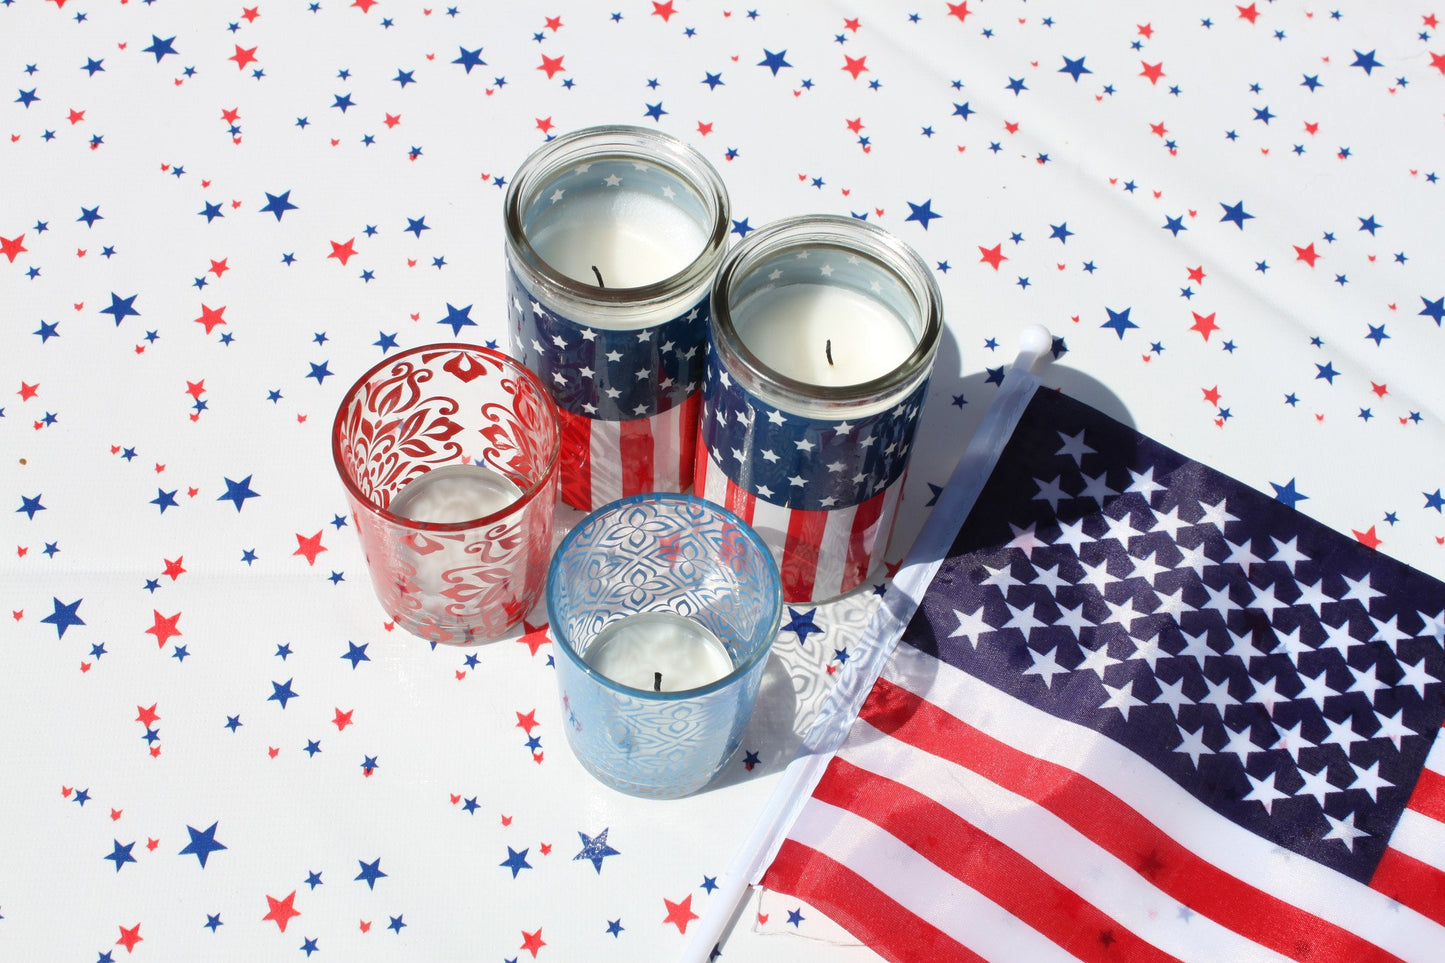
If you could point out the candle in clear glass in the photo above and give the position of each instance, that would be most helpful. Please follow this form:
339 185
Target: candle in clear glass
454 493
613 235
823 335
659 651
663 584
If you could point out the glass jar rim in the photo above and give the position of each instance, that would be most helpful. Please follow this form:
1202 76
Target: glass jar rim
528 493
622 142
813 231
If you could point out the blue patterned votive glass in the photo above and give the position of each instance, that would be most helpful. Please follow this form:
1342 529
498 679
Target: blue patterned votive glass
688 573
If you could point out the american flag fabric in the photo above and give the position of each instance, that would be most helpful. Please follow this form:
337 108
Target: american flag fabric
1142 712
627 399
822 493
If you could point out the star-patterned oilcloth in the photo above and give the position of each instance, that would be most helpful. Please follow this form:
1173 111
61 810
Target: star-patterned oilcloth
212 218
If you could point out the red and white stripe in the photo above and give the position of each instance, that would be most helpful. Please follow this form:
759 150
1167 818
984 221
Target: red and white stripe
820 554
602 461
961 824
1412 870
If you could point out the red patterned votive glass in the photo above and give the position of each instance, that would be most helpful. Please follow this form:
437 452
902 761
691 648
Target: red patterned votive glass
473 562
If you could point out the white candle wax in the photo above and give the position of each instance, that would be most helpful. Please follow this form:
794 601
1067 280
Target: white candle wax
659 651
823 334
454 493
631 238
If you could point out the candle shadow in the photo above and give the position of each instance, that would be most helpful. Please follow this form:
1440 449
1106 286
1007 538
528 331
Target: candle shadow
771 739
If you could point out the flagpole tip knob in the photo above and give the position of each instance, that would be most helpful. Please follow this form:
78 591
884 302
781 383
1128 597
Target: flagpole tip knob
1035 341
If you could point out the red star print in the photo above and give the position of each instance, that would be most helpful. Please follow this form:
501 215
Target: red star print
959 10
1380 390
1436 60
196 388
219 267
164 628
1247 13
680 914
211 317
1204 324
147 716
365 6
1197 274
342 720
704 129
282 911
534 636
392 120
1152 71
993 256
663 10
174 568
527 721
552 66
343 252
1306 254
1211 395
544 124
10 247
554 24
249 14
129 938
856 125
532 942
1368 538
76 116
855 66
232 115
243 56
309 546
1146 30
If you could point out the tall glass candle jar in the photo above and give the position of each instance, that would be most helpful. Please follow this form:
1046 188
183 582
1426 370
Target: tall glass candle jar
823 335
614 235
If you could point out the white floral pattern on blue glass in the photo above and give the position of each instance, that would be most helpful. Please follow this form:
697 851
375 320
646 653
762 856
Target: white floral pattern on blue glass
661 553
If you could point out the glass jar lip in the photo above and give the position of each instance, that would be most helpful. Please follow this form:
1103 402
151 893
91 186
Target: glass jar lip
625 142
528 493
836 231
773 603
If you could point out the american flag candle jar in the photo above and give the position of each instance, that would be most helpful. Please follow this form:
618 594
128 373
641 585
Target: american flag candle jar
823 335
614 235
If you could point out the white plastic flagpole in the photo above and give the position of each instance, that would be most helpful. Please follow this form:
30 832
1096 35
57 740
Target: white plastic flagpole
842 705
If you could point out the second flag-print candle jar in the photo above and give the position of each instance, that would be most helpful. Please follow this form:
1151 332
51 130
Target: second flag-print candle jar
823 335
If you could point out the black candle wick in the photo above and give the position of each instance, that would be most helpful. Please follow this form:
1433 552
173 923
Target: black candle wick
599 276
657 682
828 349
